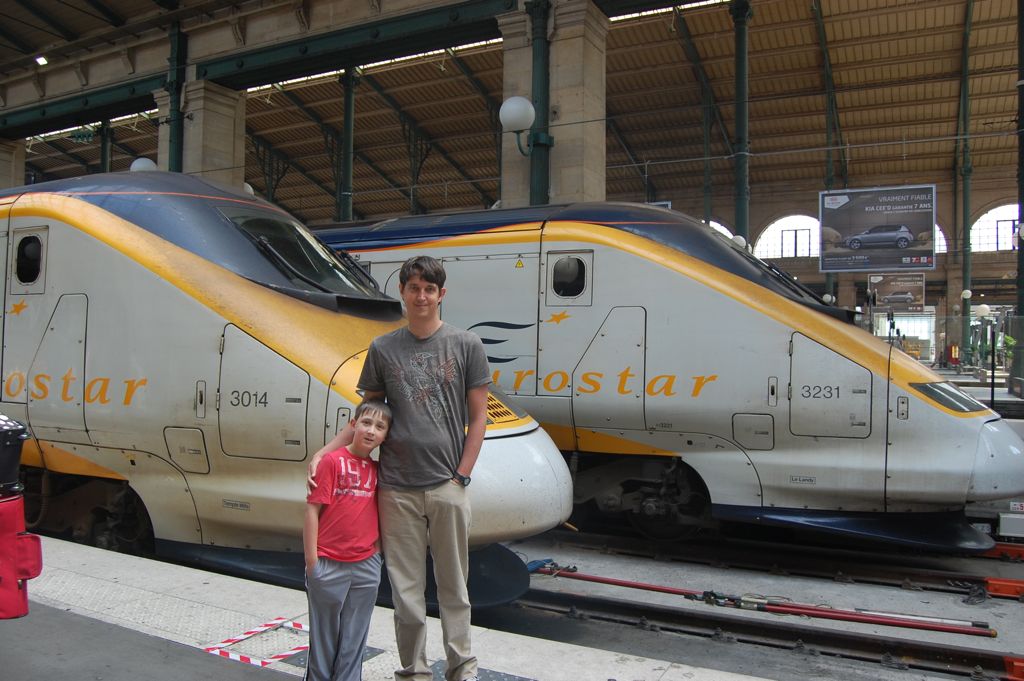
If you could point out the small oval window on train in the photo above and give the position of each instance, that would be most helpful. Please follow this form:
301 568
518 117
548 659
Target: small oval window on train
29 260
569 277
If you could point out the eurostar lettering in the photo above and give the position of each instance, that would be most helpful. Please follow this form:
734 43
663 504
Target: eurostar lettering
595 381
67 388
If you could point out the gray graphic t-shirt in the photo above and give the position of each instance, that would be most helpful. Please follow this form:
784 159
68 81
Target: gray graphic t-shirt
425 383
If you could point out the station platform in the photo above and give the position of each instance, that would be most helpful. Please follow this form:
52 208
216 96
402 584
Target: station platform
95 614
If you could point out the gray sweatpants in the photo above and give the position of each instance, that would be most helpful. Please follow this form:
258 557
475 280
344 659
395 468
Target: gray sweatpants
341 598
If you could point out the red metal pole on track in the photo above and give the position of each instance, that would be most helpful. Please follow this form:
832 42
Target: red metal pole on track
764 605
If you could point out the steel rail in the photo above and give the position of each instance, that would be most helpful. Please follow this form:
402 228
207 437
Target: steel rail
721 625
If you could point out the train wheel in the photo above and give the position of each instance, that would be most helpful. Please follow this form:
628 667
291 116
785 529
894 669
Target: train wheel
675 511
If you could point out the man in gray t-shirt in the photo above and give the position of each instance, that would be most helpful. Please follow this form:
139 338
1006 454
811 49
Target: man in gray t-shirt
434 377
425 380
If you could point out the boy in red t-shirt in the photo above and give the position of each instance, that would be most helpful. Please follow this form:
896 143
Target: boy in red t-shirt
342 548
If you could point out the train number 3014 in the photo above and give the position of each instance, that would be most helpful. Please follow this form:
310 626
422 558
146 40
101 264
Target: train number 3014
820 392
244 398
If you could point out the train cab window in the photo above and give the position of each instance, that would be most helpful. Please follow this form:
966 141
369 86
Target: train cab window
29 259
569 276
26 273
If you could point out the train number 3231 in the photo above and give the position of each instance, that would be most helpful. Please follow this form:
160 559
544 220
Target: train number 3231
820 392
244 398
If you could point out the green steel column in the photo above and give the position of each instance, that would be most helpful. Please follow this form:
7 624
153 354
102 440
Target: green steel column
106 142
965 174
1017 368
175 82
741 14
540 157
348 83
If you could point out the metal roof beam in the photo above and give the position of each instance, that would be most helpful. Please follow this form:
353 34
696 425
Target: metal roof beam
641 168
328 130
86 107
831 104
425 137
110 15
405 34
58 28
492 106
169 5
80 160
690 49
269 147
15 42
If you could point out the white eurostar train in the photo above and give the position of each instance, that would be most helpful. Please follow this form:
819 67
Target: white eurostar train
689 382
179 350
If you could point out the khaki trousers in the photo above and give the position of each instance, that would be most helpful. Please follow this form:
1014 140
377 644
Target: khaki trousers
410 522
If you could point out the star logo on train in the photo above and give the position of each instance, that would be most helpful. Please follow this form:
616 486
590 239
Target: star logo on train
558 318
18 307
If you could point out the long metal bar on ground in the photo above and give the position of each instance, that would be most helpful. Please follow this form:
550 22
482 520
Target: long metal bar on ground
807 610
720 624
800 561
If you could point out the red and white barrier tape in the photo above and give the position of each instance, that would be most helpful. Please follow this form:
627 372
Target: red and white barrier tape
278 622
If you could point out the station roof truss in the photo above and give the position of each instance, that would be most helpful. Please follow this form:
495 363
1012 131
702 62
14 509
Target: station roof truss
875 82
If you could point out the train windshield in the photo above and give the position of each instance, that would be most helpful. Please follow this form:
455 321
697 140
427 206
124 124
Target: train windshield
298 256
684 234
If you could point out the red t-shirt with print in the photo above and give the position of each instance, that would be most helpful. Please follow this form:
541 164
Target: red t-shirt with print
346 485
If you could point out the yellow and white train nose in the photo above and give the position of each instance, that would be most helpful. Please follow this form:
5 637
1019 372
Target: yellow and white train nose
521 484
998 464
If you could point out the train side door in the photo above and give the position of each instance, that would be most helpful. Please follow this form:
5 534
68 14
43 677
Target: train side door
567 320
495 297
833 452
44 339
5 213
262 401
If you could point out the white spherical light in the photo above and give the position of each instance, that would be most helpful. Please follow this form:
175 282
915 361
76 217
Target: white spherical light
516 114
248 189
142 164
983 310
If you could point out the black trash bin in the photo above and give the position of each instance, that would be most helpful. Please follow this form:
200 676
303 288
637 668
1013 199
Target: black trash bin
12 436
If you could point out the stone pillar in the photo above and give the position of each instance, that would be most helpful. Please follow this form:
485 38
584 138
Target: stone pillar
12 163
846 291
578 32
518 70
214 145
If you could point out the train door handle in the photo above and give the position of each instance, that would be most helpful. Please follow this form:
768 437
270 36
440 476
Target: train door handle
201 399
902 408
773 391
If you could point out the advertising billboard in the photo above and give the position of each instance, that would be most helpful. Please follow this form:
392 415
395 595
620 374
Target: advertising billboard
898 292
886 228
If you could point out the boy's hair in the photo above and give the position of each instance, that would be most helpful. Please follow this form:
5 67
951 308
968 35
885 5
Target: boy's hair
374 407
426 268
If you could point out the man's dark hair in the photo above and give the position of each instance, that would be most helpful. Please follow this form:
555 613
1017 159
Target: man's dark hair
373 407
426 268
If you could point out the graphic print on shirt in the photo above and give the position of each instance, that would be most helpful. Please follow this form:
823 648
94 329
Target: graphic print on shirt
425 380
355 478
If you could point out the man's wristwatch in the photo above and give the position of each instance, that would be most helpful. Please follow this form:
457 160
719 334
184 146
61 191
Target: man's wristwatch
461 479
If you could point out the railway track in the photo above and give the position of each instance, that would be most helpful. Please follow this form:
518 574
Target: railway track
976 578
723 626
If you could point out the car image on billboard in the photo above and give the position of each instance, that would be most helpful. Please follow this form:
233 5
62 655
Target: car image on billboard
899 236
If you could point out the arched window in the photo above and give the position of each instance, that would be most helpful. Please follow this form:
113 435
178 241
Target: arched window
940 241
794 236
994 231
